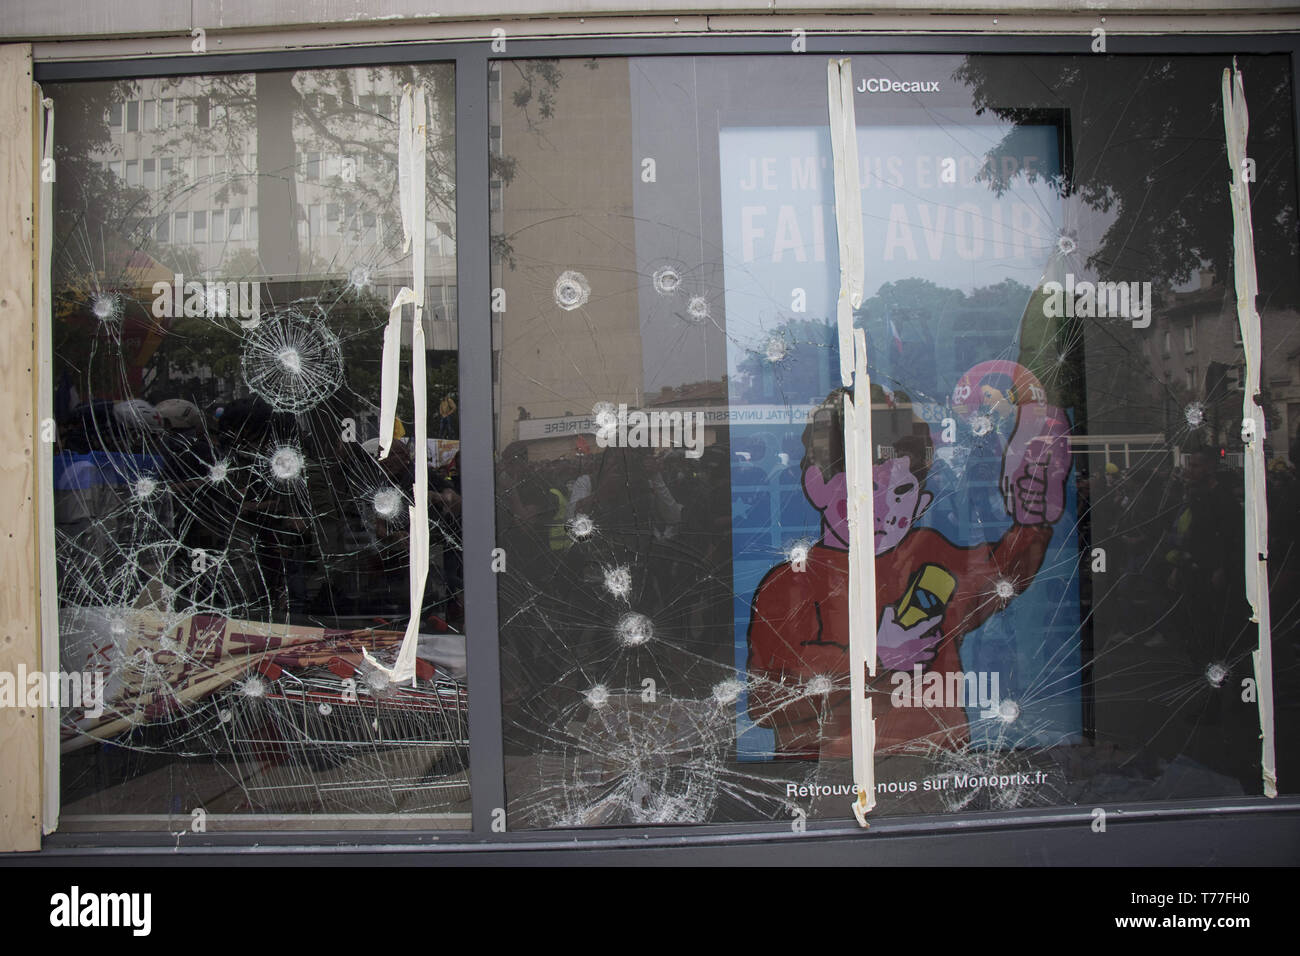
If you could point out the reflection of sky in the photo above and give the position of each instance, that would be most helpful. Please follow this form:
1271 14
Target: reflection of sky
779 229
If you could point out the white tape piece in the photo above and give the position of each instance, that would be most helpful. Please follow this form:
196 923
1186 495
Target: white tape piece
848 206
49 575
857 435
391 369
862 578
404 133
1236 124
413 142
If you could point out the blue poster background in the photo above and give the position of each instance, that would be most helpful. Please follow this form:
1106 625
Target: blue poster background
950 267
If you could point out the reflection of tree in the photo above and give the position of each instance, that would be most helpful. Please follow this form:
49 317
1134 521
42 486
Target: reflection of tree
802 376
912 326
288 121
1148 146
99 224
1146 156
535 87
300 118
538 81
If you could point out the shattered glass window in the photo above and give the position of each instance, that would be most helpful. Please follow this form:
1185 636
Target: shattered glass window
1058 478
233 545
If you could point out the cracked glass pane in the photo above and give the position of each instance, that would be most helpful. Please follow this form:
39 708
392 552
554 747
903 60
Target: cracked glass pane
230 544
1057 367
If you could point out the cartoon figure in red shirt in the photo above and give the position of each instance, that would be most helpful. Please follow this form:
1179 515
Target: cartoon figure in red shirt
930 592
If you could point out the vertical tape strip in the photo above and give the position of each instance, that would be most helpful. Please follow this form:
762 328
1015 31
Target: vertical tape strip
391 369
857 432
405 666
846 189
1236 124
45 464
862 577
412 146
404 132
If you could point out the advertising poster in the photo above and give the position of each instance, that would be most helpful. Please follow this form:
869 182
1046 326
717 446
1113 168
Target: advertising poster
951 266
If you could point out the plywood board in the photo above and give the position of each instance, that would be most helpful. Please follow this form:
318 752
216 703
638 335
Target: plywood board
20 726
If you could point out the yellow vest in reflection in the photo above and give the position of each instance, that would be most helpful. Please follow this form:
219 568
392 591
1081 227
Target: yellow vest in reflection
559 533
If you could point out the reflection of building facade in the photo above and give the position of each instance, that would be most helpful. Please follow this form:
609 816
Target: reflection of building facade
555 219
1198 361
190 146
1181 387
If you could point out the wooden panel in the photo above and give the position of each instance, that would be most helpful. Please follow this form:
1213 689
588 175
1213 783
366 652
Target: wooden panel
20 727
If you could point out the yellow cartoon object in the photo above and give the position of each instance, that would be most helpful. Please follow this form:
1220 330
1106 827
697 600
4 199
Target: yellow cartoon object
927 595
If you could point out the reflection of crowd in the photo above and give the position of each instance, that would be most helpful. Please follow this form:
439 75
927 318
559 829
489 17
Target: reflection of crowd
624 491
663 516
248 513
1174 590
1173 540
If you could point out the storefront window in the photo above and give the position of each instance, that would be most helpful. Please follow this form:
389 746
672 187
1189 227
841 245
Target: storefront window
1058 489
233 551
1059 460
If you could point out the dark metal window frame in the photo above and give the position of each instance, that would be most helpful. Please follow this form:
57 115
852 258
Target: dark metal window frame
1240 830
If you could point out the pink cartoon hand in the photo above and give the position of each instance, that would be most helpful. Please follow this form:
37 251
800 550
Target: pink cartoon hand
899 648
1036 465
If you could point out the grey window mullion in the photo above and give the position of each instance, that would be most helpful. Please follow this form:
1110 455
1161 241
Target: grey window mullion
478 500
